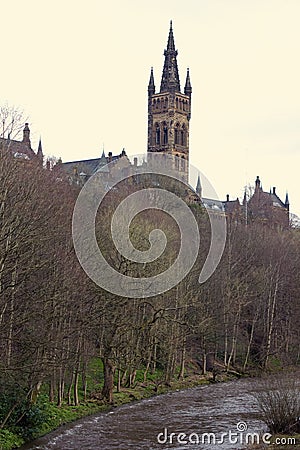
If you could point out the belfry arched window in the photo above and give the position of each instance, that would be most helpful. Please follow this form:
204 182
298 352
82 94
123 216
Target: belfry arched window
183 136
165 133
177 133
157 134
182 163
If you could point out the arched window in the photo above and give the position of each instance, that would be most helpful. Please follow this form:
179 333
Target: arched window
176 102
183 136
157 135
182 163
177 133
165 133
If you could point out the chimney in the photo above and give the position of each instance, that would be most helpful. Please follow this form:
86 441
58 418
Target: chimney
227 198
135 160
26 134
257 183
274 190
109 156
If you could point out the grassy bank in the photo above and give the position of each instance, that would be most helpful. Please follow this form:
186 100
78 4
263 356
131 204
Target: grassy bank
46 416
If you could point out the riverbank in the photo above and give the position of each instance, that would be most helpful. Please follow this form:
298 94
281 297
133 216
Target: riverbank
203 412
56 417
53 417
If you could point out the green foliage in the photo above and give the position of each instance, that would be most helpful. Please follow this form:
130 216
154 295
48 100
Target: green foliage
32 422
19 414
13 403
9 440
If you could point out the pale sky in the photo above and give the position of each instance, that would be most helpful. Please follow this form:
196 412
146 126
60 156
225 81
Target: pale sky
80 70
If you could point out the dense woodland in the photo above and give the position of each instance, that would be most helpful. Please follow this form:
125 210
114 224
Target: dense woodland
54 321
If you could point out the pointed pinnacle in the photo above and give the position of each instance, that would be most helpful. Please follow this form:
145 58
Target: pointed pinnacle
188 86
287 202
171 43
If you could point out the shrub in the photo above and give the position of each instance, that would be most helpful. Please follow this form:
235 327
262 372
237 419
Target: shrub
9 440
279 404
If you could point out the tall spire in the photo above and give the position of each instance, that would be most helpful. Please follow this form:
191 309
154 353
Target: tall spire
151 85
170 78
40 154
40 148
188 86
199 187
171 43
287 202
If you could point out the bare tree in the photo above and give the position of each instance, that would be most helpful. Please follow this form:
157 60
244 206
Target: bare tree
12 119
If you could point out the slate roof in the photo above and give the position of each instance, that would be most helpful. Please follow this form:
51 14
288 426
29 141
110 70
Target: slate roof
18 148
215 205
276 200
89 166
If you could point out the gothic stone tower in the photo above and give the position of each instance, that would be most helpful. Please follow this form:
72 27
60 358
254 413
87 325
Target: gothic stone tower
169 111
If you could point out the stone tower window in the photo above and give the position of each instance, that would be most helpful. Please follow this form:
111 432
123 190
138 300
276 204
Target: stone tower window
183 136
177 133
182 163
165 133
157 135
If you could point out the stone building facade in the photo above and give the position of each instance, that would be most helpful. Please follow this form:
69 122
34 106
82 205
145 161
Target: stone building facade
169 113
22 149
261 207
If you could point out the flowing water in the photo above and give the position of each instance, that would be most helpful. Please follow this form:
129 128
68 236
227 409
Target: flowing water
148 424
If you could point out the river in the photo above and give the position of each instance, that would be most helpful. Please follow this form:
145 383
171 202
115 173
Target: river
220 409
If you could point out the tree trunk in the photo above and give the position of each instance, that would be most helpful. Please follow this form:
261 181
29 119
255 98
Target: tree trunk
255 317
119 380
108 371
182 362
271 314
76 382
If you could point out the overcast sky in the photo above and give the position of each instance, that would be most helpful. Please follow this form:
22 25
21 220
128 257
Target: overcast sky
80 70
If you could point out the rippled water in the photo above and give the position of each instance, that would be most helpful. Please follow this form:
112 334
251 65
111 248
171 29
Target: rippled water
214 408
